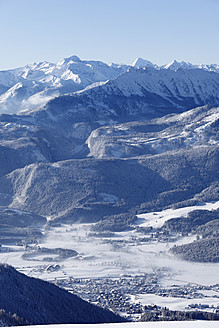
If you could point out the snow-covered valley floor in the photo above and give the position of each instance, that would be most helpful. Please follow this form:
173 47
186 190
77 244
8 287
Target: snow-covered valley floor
123 254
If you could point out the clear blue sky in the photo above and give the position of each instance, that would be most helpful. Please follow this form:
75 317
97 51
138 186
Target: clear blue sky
108 30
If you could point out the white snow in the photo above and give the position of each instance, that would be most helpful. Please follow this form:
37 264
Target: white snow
119 254
104 257
73 74
37 99
212 118
157 219
174 65
140 63
44 80
160 324
69 75
108 198
174 303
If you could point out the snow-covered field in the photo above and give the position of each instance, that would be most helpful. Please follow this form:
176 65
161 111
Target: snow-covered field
167 324
157 219
109 257
174 303
121 254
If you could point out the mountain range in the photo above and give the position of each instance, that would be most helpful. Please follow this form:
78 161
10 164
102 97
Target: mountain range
86 142
33 85
134 138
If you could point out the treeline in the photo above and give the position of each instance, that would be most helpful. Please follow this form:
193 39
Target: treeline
208 230
169 315
116 223
204 250
192 222
205 225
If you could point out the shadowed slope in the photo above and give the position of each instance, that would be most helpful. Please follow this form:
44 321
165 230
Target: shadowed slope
40 302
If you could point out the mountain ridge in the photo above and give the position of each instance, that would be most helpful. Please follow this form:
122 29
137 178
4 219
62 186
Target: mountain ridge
145 140
43 81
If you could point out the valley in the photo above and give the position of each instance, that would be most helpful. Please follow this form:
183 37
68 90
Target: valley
109 182
124 270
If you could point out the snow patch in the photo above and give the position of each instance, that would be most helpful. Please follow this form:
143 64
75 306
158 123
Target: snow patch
109 198
157 219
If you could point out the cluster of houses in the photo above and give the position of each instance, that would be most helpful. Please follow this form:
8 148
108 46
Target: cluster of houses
117 294
201 306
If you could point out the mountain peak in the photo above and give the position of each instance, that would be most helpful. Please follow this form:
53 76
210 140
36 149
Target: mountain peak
174 65
73 58
65 61
140 62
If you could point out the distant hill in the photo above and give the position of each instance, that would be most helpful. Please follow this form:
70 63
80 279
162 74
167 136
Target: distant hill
40 302
143 165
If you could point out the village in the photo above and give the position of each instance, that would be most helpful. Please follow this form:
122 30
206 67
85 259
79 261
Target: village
119 295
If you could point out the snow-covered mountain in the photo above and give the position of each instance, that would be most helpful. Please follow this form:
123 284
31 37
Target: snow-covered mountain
143 63
197 127
138 93
175 65
72 69
33 85
69 150
87 142
59 129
